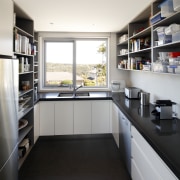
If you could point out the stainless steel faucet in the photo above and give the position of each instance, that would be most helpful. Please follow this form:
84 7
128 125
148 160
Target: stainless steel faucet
76 88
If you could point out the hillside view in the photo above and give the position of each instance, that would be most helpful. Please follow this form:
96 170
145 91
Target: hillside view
86 74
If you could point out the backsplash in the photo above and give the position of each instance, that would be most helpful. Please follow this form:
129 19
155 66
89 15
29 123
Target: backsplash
160 86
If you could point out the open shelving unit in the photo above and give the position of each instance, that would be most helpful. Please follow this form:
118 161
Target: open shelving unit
140 31
24 51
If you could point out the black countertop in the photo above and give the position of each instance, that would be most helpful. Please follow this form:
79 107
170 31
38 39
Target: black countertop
162 135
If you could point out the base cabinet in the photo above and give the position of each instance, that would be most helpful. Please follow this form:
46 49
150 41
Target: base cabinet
46 118
74 117
82 117
135 172
36 122
63 118
146 163
100 117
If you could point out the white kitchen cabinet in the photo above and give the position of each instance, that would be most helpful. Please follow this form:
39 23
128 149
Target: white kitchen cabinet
135 172
115 123
6 33
74 117
47 118
146 163
36 122
100 116
82 117
63 117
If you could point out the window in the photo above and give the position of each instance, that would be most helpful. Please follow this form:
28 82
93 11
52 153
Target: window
75 62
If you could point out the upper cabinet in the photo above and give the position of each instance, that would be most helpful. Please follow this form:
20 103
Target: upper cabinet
153 39
6 33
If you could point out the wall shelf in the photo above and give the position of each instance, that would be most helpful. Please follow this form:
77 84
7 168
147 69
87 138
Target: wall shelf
140 31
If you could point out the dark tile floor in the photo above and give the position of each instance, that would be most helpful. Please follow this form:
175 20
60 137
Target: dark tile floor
90 157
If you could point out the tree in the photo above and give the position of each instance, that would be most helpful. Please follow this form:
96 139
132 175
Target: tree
102 50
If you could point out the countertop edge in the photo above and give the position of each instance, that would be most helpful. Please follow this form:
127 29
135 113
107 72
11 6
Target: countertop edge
155 146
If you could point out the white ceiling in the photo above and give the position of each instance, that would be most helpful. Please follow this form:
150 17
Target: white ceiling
82 15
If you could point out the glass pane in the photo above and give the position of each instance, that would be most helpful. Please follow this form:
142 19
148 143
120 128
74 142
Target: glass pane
58 63
91 63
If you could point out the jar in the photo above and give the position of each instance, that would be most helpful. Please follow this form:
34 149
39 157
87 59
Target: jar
25 85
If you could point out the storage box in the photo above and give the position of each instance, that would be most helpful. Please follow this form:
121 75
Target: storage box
159 67
176 5
163 56
162 37
123 38
176 36
173 61
177 70
171 69
173 28
167 8
146 67
156 18
123 51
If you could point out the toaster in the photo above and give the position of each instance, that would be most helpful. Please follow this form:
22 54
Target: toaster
132 92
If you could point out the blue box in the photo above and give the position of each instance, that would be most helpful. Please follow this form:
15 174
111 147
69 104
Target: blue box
156 18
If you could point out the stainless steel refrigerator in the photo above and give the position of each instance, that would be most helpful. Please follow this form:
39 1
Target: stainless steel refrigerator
8 119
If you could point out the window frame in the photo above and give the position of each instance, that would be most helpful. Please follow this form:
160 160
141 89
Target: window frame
42 86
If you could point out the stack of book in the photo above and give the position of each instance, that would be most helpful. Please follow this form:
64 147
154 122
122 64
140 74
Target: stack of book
22 44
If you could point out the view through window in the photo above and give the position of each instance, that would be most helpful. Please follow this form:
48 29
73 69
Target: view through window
77 62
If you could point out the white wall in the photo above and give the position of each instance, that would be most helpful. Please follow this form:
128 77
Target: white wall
160 86
116 74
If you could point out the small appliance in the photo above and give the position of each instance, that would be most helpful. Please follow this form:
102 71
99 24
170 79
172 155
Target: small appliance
163 109
145 98
132 92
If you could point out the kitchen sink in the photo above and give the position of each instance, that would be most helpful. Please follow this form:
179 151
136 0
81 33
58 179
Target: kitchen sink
71 94
82 94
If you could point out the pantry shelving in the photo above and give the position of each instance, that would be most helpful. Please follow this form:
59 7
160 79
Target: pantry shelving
24 52
142 41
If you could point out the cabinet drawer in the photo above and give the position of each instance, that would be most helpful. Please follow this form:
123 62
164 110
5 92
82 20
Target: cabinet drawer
152 163
135 172
143 163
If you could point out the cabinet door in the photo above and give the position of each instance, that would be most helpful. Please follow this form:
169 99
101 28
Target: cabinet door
6 33
100 116
135 172
115 123
36 122
46 118
64 117
147 160
82 117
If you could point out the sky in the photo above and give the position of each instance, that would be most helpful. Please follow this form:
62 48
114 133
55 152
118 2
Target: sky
86 52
